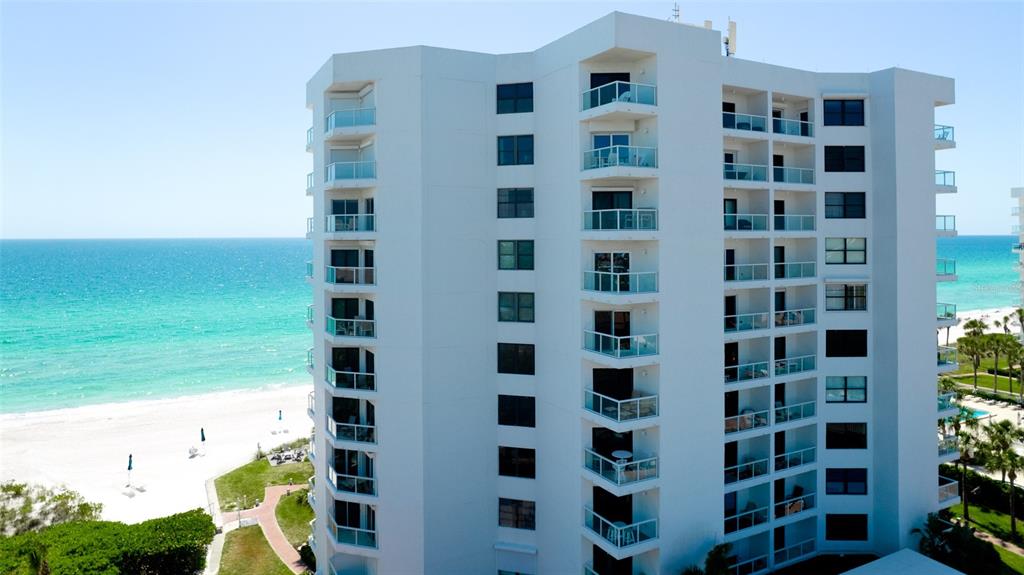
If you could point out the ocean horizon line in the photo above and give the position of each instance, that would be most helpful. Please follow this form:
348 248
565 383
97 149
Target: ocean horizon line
301 237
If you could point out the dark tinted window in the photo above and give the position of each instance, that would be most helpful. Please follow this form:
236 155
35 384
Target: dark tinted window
515 358
844 158
846 389
846 481
846 527
846 297
515 203
515 98
517 462
515 150
516 410
846 251
846 343
516 513
844 112
515 306
515 254
846 436
839 205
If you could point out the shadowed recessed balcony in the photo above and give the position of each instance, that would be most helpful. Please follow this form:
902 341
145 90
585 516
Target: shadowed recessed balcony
617 532
621 410
623 92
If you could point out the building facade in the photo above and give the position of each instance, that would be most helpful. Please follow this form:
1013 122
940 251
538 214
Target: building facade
1018 230
634 298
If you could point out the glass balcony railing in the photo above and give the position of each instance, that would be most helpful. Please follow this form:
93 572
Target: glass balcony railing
945 178
794 223
746 371
309 137
351 118
746 421
621 472
1015 210
309 313
793 317
794 505
945 266
946 401
309 181
620 282
946 356
794 270
746 322
616 220
748 566
358 432
795 458
311 403
748 122
621 410
627 156
620 346
309 269
945 311
795 412
792 127
745 172
309 226
943 133
795 551
351 223
948 445
619 534
746 272
746 222
309 358
350 171
350 276
357 536
793 365
945 223
353 483
354 380
792 175
631 92
746 519
351 327
949 489
746 470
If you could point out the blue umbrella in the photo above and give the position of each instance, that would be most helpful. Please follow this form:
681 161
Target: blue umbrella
129 462
202 434
279 415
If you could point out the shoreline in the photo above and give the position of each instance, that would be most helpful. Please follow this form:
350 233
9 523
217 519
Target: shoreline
86 448
989 315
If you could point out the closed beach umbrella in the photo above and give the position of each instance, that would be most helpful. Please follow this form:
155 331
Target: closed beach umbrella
129 470
129 462
279 415
202 435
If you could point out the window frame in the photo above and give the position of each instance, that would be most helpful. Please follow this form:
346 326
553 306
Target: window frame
518 462
521 256
843 117
830 534
517 513
838 342
519 359
520 313
845 207
517 411
844 480
850 297
843 159
843 437
846 251
846 388
515 203
518 98
521 150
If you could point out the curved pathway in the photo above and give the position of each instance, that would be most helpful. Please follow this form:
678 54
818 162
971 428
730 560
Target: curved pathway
264 514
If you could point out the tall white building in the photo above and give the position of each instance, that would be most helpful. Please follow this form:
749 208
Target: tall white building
1018 230
598 307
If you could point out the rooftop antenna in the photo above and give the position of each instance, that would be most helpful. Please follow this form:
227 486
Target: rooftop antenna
675 13
730 40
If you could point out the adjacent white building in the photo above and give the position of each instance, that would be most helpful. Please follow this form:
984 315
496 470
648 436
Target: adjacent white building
598 307
1018 230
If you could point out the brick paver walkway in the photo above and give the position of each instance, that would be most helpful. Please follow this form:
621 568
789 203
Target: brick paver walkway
264 514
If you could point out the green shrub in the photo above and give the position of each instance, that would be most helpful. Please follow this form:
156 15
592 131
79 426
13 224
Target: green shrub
985 491
307 557
25 507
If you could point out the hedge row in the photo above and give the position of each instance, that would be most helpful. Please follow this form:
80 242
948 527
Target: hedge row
986 491
173 545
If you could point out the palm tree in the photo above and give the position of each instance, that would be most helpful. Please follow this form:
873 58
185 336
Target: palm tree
975 327
1019 312
1006 324
1014 354
965 426
999 344
1000 456
973 347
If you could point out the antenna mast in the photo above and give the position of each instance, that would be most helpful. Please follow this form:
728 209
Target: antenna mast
730 40
675 13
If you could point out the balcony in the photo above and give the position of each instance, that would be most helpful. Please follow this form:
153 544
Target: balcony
346 223
339 172
945 312
794 223
341 119
351 380
620 100
620 282
356 432
353 535
794 270
795 317
746 322
949 491
309 269
750 517
945 182
311 405
745 172
946 401
746 222
621 472
309 360
792 175
350 275
795 551
945 225
795 412
746 372
618 533
744 122
620 346
946 359
949 447
309 139
351 327
795 458
309 228
794 505
621 410
746 272
353 483
746 421
748 566
620 156
944 137
945 269
792 365
789 127
309 184
620 220
746 470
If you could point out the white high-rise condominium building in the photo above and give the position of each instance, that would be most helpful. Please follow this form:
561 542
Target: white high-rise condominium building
598 307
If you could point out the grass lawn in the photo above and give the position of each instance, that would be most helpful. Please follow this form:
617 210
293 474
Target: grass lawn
246 552
293 515
985 381
249 481
997 524
1013 562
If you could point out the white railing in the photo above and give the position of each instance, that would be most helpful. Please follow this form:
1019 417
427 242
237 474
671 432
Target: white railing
629 156
945 311
619 534
644 219
793 175
350 118
805 547
745 172
353 483
793 270
794 223
746 371
311 403
351 327
745 222
945 178
792 365
358 432
309 226
620 346
309 181
792 127
805 316
746 519
357 536
632 92
948 489
339 223
795 412
795 458
350 275
794 505
747 122
746 322
746 421
746 470
620 282
350 171
620 409
309 137
745 272
620 472
356 380
309 359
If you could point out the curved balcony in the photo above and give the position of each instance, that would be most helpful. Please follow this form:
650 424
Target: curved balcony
351 380
618 533
352 483
356 536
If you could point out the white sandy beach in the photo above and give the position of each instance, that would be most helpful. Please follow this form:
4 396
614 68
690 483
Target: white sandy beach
988 315
86 448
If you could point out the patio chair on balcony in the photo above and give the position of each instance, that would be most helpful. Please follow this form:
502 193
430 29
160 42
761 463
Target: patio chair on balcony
626 96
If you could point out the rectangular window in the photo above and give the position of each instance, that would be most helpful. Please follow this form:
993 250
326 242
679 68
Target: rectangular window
515 98
515 202
515 358
515 306
846 343
515 150
846 481
844 112
846 389
844 158
846 251
515 254
516 513
846 436
517 462
846 297
517 410
846 527
844 205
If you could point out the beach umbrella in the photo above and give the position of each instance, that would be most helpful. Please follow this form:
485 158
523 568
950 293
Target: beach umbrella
202 435
129 462
129 470
279 415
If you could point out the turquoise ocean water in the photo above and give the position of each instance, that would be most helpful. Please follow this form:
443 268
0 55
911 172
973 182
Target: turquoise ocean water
96 321
85 322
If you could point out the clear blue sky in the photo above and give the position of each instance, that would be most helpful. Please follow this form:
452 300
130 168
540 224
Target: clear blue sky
188 119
